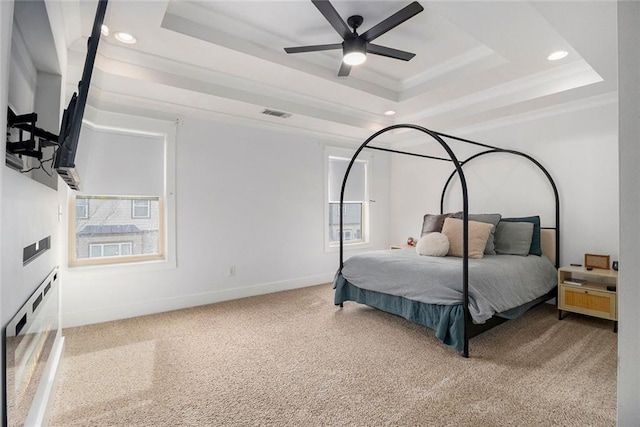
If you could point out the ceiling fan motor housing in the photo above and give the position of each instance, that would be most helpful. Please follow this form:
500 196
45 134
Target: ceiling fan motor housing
355 44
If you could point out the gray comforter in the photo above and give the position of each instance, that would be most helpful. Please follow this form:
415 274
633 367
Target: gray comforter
497 283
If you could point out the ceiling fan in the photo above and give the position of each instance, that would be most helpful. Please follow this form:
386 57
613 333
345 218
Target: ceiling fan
355 46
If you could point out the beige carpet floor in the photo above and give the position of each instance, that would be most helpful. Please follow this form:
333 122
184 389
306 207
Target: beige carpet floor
294 359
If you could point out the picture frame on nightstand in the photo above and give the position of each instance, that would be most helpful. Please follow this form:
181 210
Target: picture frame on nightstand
596 261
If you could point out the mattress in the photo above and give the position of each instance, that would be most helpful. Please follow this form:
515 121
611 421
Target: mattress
497 283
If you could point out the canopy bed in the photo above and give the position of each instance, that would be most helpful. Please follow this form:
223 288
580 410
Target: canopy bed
465 293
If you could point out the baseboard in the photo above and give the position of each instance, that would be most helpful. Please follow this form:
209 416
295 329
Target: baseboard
41 407
88 317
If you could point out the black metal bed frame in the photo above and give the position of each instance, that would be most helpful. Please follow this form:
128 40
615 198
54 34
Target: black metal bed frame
470 329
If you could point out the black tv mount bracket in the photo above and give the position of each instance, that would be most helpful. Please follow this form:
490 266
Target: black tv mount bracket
28 147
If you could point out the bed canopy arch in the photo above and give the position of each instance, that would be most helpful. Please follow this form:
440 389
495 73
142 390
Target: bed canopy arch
470 329
537 164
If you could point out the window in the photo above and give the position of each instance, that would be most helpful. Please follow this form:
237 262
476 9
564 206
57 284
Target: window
97 250
352 222
120 229
140 208
355 204
82 208
132 162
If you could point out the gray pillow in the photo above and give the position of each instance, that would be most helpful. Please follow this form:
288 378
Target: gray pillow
536 242
514 238
433 223
488 218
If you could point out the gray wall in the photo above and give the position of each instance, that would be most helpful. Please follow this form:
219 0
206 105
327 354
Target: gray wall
629 289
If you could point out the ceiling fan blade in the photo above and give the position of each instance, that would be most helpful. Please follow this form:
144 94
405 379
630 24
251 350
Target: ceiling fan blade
389 52
393 21
345 69
331 15
302 49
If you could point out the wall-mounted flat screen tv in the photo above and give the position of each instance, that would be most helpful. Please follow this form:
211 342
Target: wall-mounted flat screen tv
72 117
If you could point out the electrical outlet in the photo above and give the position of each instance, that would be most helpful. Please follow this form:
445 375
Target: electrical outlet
232 270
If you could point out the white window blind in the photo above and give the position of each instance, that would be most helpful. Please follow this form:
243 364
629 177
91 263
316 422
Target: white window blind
356 189
120 163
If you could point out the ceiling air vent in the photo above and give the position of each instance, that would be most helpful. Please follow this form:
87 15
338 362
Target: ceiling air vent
276 113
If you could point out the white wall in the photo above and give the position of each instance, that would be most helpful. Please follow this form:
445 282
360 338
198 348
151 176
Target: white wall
579 149
245 196
29 214
23 76
28 209
6 28
628 289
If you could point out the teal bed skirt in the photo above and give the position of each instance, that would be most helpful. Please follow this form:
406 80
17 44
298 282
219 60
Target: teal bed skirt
446 320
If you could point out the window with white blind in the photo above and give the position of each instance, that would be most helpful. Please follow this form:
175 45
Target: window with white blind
119 217
355 209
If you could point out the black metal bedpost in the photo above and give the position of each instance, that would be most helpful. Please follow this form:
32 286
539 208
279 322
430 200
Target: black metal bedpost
465 218
344 185
465 201
465 259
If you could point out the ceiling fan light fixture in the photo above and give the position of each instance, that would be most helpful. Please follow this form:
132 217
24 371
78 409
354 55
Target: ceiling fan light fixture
354 58
354 51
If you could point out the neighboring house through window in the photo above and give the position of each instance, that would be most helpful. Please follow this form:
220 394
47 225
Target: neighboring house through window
119 229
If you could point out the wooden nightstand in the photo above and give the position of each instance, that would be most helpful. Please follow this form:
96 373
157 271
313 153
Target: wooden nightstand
591 298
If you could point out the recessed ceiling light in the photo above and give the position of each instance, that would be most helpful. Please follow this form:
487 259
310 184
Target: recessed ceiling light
104 30
557 55
123 37
389 113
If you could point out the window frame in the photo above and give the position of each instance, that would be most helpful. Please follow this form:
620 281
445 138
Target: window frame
365 241
130 124
74 261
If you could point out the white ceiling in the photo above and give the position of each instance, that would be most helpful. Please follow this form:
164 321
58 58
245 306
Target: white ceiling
476 62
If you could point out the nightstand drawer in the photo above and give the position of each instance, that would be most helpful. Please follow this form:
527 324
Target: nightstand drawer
588 301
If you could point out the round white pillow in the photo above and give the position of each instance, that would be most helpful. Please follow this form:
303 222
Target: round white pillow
433 244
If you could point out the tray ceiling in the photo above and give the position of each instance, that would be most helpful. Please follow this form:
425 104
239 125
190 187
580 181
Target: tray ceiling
476 62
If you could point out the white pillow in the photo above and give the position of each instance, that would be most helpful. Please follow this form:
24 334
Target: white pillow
433 244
